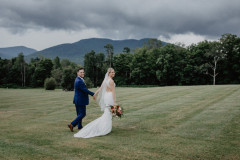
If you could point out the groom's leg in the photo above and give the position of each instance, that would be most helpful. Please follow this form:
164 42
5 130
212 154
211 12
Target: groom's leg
81 114
77 110
82 111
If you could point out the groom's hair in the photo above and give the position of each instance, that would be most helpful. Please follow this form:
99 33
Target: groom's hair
81 68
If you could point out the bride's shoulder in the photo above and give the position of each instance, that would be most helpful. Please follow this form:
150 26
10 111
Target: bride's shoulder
111 81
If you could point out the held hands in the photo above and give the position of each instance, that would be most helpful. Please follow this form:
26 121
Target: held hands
94 96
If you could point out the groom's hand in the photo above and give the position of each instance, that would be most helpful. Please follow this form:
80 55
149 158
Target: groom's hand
94 97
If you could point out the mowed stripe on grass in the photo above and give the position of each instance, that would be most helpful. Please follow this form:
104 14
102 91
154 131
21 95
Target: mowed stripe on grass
179 122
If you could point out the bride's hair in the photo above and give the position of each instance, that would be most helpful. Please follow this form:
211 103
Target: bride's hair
109 70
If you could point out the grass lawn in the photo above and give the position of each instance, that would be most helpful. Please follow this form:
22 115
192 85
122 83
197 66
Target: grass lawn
172 123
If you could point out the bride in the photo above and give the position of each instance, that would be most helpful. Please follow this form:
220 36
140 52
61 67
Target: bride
106 97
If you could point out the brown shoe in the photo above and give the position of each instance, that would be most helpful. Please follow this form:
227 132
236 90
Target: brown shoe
71 127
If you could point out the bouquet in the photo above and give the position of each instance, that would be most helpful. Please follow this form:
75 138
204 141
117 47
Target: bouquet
116 111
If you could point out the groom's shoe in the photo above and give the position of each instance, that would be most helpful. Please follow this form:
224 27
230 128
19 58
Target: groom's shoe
71 127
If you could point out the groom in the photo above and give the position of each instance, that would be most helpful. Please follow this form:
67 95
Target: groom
80 99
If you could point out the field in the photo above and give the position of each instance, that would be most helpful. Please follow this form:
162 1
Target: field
172 123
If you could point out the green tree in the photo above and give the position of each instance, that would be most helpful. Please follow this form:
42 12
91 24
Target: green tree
88 82
126 50
69 75
196 59
42 71
122 65
230 47
16 71
65 63
101 68
154 43
57 75
4 70
109 50
143 66
22 67
50 83
90 65
94 65
215 54
171 63
56 63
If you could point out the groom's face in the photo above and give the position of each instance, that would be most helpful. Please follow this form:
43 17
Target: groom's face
80 73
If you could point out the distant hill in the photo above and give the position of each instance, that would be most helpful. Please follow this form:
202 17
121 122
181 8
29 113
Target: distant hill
75 51
10 52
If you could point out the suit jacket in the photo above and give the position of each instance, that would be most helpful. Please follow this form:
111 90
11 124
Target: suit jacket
81 92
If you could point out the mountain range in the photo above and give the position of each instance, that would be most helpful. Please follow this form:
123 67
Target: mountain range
75 51
10 52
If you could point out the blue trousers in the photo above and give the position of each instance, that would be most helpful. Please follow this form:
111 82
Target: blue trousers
81 113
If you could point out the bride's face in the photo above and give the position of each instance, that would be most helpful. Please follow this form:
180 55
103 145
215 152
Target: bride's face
112 73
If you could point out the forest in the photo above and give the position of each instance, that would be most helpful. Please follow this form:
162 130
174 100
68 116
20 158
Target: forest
154 64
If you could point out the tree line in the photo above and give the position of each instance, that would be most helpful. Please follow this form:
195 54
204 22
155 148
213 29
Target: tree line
18 73
208 62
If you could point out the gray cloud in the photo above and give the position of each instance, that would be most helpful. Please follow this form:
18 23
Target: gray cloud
123 19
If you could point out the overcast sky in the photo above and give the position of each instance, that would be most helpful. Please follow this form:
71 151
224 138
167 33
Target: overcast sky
40 24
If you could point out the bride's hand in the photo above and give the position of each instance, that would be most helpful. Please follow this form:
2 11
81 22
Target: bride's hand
94 97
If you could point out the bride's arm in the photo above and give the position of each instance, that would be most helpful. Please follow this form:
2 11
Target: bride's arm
99 89
94 96
113 91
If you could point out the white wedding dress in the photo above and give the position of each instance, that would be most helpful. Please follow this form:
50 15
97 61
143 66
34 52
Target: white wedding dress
102 125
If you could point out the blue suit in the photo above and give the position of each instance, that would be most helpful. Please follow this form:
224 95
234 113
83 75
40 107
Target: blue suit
80 100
